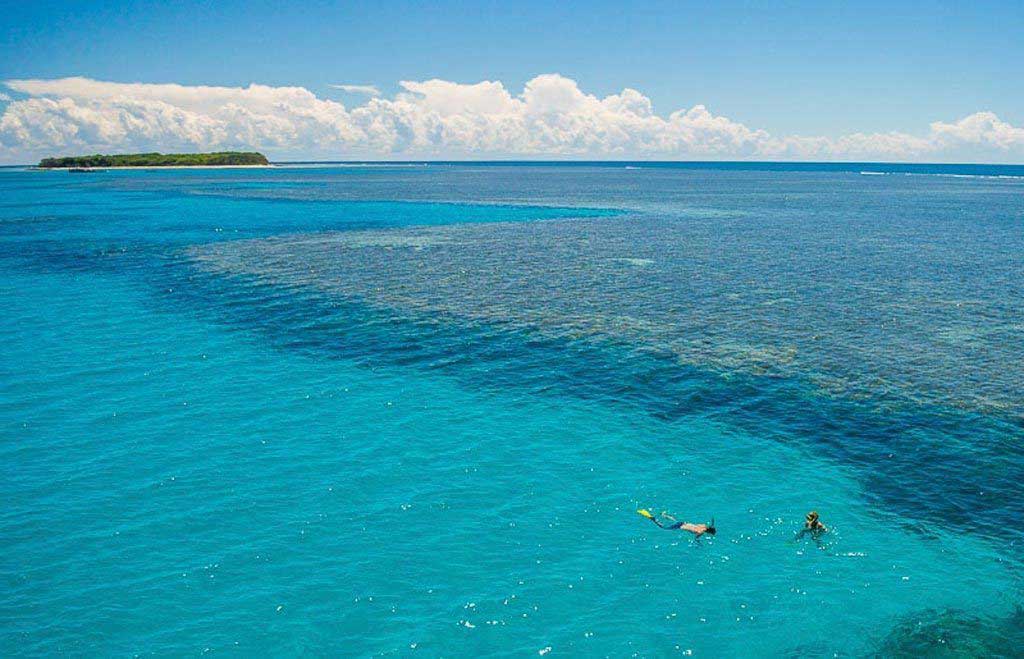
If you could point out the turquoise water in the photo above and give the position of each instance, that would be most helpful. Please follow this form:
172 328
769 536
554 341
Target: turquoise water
387 411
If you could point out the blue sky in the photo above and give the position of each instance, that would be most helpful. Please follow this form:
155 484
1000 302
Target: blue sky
808 69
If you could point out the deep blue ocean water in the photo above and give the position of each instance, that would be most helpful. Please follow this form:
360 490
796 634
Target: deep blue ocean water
391 410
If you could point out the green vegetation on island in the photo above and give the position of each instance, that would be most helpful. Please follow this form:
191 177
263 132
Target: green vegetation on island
220 159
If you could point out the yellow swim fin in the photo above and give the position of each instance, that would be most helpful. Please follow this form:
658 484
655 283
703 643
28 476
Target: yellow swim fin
646 513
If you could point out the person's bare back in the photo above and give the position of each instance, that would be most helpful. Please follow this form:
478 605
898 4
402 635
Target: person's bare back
697 529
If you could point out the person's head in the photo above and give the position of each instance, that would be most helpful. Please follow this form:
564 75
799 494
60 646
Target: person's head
709 528
812 519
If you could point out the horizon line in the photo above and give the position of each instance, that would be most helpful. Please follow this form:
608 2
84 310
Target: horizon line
517 161
667 162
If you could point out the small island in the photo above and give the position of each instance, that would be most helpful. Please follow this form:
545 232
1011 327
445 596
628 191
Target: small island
220 159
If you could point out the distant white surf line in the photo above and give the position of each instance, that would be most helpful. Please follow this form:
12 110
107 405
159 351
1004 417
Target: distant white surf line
986 176
310 165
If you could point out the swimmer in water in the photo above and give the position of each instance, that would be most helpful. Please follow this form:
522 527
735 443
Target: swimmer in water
813 524
696 529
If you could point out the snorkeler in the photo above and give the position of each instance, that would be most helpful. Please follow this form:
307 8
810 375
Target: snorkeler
813 524
813 528
696 529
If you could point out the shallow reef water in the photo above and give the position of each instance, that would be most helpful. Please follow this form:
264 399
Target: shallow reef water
954 633
395 410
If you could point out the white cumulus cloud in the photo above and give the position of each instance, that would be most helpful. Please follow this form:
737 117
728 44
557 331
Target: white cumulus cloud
550 118
368 90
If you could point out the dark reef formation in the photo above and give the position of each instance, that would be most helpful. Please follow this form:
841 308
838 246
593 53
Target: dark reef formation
949 633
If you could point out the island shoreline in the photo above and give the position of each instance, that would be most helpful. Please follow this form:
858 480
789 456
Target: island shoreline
148 167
